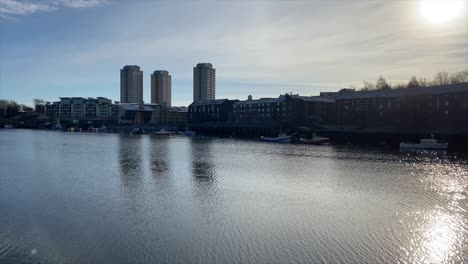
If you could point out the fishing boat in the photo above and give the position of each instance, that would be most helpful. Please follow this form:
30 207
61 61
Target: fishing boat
315 140
164 132
281 138
426 143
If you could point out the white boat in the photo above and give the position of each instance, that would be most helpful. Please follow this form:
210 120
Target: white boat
282 137
187 133
101 129
57 126
9 126
315 140
137 131
164 132
426 143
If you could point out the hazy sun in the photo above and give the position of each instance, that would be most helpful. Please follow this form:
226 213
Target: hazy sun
442 11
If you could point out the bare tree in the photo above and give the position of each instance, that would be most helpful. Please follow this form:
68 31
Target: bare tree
368 86
413 82
399 86
8 108
382 83
423 82
37 101
459 77
441 78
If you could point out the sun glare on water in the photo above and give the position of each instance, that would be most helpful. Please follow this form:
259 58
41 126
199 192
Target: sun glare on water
442 11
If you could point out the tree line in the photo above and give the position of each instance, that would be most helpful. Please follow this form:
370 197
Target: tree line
10 108
441 78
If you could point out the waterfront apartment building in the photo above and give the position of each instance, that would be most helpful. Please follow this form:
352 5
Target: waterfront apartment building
436 109
204 82
286 111
82 109
209 112
161 88
131 84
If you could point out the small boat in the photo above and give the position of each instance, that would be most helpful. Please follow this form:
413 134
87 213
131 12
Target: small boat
9 126
137 131
101 129
164 132
426 143
57 126
282 137
315 140
186 133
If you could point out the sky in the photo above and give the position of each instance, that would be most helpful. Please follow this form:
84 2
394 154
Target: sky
64 48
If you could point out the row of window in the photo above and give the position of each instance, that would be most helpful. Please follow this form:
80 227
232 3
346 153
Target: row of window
205 109
259 115
278 109
259 105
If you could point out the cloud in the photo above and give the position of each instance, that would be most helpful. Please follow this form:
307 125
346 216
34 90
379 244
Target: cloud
12 8
82 3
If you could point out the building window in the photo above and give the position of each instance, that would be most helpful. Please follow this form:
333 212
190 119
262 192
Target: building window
446 103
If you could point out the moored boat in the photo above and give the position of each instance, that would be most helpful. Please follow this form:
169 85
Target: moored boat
164 132
426 143
281 138
187 133
137 131
57 126
9 126
315 140
102 129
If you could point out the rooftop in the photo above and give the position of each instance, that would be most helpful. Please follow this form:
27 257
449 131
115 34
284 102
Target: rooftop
162 72
131 67
137 107
391 93
209 102
319 99
281 98
261 101
205 64
179 109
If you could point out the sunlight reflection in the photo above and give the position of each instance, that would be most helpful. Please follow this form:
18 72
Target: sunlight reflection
441 234
440 239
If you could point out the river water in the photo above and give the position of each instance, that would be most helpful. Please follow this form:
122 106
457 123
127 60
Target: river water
109 198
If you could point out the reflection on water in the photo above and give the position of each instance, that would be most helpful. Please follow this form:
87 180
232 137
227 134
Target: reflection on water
131 162
159 158
439 233
103 198
202 167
